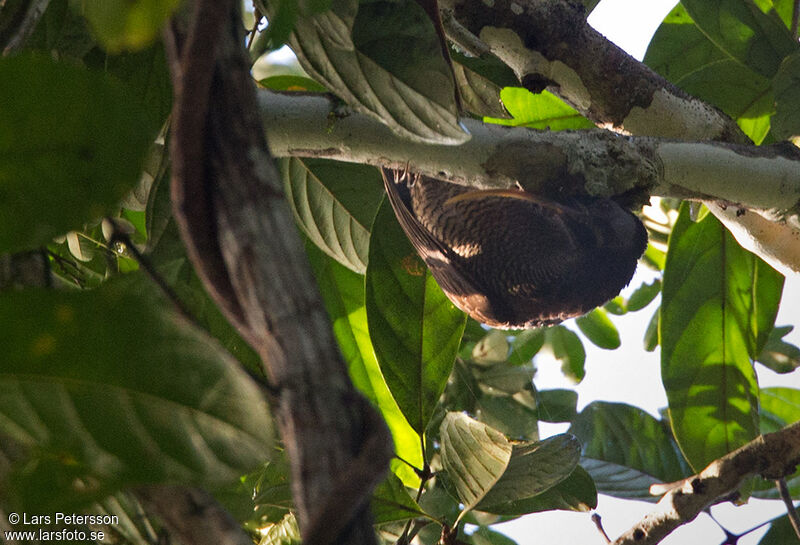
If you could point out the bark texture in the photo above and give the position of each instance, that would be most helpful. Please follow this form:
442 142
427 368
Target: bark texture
239 230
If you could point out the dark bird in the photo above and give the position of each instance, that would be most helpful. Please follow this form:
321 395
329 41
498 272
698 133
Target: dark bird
512 259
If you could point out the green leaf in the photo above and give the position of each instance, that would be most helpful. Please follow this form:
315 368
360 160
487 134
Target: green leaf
172 264
285 532
127 24
733 88
415 329
650 340
684 55
146 77
780 532
678 47
786 87
756 39
509 416
532 469
779 355
718 305
575 493
61 31
291 83
599 329
485 536
391 502
343 294
630 439
558 405
56 176
480 81
620 481
540 111
479 95
384 58
526 345
506 378
474 455
96 382
334 203
491 349
644 295
271 493
782 404
568 349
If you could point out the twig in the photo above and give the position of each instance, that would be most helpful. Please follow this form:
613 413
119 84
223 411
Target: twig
795 17
117 235
461 36
598 521
791 511
771 455
24 26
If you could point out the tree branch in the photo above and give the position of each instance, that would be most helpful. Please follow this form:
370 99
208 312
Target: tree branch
17 25
595 161
234 218
772 456
549 44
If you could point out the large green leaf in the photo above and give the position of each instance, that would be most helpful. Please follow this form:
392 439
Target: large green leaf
733 88
557 405
343 294
71 145
575 493
780 532
126 24
507 415
632 440
108 388
474 455
334 203
391 502
684 55
539 111
145 75
532 469
782 403
173 265
678 47
620 481
786 86
480 81
415 329
384 58
756 39
718 306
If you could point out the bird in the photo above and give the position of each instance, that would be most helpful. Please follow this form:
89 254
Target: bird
512 259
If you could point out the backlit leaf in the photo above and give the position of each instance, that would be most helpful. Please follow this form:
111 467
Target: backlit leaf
55 176
474 455
718 306
109 389
415 329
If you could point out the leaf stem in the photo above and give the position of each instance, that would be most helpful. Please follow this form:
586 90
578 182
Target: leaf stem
794 519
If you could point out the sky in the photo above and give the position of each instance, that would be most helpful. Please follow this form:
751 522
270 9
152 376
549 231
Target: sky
631 375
